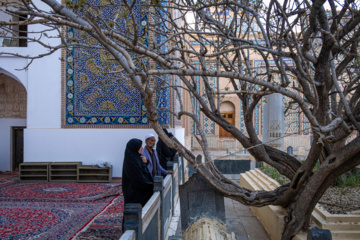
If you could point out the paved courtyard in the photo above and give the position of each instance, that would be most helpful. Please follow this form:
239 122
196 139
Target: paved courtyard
241 220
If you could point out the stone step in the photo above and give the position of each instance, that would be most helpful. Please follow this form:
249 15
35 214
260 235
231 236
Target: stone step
345 235
269 181
357 212
334 226
263 181
336 217
248 182
258 180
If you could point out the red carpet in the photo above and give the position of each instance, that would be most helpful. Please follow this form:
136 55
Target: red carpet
107 225
8 177
59 210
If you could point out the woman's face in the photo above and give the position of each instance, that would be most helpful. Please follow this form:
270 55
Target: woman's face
140 150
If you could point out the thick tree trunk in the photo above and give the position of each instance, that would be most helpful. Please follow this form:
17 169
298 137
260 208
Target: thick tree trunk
299 212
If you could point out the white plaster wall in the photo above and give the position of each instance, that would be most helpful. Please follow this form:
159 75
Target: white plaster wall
179 133
44 85
6 140
83 145
44 93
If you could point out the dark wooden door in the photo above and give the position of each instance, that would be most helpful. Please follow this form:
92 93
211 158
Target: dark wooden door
18 147
230 117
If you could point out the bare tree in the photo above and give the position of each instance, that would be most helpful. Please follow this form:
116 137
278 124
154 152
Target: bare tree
315 53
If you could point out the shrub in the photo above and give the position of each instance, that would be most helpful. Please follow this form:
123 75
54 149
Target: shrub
273 173
349 179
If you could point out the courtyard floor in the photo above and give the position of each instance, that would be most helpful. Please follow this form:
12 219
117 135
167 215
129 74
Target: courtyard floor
70 210
59 210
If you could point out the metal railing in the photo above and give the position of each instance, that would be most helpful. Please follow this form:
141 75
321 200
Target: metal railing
153 220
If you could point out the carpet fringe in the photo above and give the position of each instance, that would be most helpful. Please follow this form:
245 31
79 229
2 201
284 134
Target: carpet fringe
86 226
108 193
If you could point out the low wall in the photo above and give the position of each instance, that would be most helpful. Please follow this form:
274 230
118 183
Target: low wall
271 217
229 164
342 226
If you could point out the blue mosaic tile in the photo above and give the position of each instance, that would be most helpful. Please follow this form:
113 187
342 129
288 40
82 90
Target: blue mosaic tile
208 124
95 95
242 120
163 103
306 125
256 119
197 106
163 95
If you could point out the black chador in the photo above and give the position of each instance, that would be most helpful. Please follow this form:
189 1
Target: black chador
164 152
136 178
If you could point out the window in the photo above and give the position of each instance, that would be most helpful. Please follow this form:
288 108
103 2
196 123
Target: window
12 36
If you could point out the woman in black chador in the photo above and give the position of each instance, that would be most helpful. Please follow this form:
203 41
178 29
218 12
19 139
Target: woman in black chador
137 181
164 152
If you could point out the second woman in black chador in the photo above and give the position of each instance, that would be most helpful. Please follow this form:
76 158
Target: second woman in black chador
164 152
136 179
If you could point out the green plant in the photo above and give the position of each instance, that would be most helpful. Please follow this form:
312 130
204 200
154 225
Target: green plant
349 179
273 173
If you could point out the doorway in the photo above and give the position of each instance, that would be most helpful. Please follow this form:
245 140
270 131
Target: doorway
227 110
17 147
229 116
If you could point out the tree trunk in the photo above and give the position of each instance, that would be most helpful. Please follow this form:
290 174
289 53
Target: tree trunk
299 212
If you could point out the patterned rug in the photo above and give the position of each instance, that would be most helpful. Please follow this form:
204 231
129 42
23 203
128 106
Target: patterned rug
8 175
107 225
60 210
58 192
8 178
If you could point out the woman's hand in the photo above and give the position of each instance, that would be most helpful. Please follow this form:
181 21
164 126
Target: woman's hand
144 159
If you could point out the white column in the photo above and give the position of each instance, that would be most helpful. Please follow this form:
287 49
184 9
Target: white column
274 121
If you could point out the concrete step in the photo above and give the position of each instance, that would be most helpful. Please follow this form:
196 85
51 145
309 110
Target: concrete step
334 226
336 217
345 235
263 181
259 181
247 182
269 181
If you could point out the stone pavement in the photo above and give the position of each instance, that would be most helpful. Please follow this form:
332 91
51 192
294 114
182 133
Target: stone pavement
241 220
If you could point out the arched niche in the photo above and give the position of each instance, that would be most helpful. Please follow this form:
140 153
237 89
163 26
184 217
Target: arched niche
13 104
227 110
6 73
12 98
